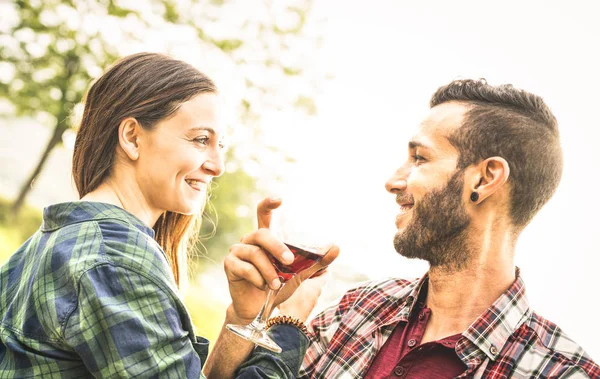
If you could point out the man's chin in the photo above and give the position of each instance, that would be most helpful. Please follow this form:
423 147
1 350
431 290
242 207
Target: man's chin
403 247
405 244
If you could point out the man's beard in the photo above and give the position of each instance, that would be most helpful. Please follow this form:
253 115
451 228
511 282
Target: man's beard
436 232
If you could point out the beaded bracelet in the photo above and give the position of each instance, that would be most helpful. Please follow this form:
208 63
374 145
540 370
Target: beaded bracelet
283 319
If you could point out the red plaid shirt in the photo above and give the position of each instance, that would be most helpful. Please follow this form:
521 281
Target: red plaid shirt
509 340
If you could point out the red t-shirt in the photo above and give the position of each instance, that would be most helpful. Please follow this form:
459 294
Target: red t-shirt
403 356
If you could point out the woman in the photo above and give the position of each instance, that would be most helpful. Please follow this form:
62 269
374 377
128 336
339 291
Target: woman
95 290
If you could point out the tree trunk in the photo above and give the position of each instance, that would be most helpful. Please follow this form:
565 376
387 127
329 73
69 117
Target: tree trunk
56 137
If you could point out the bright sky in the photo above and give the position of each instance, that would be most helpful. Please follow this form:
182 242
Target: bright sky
388 58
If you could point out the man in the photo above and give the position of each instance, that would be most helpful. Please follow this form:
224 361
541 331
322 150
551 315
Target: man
483 163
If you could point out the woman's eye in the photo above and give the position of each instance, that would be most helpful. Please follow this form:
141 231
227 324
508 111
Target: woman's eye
202 140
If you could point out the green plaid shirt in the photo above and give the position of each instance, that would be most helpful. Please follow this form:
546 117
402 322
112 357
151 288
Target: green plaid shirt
92 294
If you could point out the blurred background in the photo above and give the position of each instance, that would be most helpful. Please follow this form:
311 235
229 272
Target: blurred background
322 97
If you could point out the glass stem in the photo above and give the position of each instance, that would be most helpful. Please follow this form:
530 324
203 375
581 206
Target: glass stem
260 321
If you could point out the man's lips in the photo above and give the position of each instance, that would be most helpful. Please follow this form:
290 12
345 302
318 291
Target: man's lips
406 207
406 203
404 210
404 199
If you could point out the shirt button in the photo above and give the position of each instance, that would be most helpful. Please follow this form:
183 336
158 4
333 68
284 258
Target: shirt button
494 350
412 343
421 316
399 371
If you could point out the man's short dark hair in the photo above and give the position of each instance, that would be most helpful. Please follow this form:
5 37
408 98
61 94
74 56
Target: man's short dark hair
513 124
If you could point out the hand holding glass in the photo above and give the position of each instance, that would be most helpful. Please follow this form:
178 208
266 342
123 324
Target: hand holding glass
309 244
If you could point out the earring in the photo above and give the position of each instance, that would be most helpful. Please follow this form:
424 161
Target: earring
474 196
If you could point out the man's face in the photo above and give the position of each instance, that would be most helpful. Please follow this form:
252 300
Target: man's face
430 192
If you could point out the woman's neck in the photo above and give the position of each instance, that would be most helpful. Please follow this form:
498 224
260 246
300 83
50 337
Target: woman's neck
128 197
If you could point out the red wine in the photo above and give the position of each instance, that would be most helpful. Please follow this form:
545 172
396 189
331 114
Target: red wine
303 259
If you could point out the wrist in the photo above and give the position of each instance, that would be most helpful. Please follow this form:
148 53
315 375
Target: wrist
231 317
287 320
291 311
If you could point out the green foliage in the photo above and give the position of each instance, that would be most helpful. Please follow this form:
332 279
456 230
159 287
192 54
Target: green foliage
52 62
115 10
228 214
207 314
306 103
292 71
228 45
13 232
171 14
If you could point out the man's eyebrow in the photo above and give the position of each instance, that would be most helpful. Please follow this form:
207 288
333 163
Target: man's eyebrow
415 144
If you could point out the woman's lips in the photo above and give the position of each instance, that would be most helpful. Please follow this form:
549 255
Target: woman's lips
196 184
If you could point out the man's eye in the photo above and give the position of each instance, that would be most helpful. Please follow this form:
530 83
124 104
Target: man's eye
418 158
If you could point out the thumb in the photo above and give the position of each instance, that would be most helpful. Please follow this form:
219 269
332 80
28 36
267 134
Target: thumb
264 210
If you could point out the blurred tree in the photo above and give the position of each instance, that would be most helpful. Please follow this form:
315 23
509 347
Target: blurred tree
51 50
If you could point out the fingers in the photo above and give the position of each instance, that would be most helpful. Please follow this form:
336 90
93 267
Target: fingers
317 281
331 256
269 243
237 270
265 209
251 263
321 272
317 271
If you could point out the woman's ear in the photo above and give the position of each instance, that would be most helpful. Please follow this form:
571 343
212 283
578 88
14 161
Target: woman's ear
129 131
493 173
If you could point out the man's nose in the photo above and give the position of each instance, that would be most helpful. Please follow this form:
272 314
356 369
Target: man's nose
397 182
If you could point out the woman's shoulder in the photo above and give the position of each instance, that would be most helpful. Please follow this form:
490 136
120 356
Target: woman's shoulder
86 234
126 246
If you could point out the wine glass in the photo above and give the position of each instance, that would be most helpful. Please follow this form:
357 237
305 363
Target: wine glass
307 239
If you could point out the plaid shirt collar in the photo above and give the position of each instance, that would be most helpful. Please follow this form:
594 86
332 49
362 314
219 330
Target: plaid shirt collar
59 215
490 332
487 334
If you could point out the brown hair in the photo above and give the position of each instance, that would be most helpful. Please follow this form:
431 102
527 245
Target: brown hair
148 87
515 125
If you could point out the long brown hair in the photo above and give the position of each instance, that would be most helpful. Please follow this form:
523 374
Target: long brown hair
148 87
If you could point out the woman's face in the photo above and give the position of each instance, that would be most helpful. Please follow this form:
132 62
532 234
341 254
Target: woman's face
180 156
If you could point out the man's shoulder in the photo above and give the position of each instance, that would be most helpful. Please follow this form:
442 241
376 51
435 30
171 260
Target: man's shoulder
385 286
552 341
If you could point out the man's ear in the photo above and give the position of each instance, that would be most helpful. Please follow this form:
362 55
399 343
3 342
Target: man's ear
129 131
491 174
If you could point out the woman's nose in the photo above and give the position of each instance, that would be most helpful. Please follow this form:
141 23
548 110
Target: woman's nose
215 165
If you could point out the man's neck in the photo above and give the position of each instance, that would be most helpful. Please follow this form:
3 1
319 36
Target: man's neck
458 297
